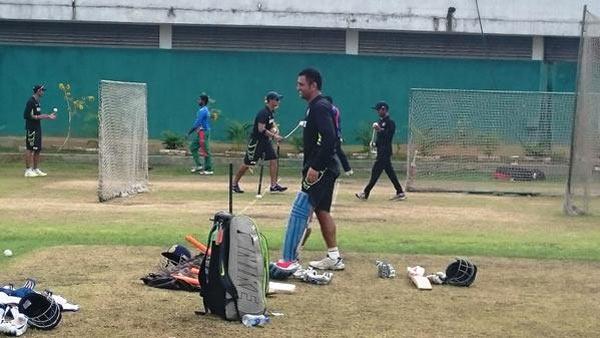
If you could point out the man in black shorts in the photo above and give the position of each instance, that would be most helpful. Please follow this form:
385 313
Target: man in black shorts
33 131
260 145
319 173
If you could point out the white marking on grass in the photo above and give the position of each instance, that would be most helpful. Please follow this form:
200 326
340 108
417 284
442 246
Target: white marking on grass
248 206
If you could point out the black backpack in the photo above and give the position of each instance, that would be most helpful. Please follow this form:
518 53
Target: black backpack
234 277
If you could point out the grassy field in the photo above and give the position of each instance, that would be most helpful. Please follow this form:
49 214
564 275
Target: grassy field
62 209
538 268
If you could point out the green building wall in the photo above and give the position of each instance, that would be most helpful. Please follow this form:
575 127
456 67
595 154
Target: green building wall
237 81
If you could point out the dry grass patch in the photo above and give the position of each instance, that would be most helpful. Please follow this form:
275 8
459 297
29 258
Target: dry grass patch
511 297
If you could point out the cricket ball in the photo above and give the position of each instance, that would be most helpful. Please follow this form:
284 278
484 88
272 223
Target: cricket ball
55 109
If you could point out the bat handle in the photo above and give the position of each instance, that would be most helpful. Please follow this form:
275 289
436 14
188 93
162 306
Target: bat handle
196 243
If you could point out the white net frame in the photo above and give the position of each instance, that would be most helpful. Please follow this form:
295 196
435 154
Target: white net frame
583 182
122 139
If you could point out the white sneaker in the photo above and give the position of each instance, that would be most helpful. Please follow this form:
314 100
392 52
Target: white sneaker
39 172
398 197
196 169
30 173
349 172
328 263
207 172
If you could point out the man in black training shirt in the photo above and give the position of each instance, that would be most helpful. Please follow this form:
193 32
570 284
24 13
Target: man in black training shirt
33 132
260 145
319 173
385 129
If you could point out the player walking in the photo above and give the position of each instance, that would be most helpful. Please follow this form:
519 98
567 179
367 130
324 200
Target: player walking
200 143
260 145
337 123
385 129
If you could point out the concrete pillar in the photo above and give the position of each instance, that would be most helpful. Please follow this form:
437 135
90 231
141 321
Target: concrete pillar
352 41
537 48
165 36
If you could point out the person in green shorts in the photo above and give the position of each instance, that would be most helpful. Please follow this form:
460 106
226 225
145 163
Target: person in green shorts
200 139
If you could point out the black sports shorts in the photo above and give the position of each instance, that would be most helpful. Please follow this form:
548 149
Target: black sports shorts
320 192
258 149
33 139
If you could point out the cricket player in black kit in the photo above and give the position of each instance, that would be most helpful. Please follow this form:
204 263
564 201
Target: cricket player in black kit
320 168
385 129
260 144
33 132
319 173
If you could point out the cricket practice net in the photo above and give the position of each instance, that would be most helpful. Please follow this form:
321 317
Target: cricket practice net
582 194
122 139
489 141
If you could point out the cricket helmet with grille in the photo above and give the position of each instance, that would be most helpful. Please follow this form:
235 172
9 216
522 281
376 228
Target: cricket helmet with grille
41 310
461 272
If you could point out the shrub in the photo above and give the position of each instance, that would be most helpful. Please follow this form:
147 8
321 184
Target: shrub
298 143
237 134
172 140
364 135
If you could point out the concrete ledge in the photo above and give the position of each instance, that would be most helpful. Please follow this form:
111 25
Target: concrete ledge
186 161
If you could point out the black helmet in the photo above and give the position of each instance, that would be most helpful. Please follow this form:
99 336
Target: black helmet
461 272
176 254
41 310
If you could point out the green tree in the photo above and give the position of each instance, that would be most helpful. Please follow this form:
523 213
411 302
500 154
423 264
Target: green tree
75 105
215 112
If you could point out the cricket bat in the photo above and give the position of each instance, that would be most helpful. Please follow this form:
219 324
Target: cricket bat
415 274
197 244
422 283
187 279
277 287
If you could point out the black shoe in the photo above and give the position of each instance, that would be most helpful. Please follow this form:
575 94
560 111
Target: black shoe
277 188
236 188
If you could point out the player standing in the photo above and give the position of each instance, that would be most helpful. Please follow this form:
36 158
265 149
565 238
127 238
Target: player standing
320 171
33 131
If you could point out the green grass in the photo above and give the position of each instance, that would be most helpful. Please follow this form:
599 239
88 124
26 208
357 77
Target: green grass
61 210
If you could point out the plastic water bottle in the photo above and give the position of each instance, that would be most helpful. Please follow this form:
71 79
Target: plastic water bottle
255 320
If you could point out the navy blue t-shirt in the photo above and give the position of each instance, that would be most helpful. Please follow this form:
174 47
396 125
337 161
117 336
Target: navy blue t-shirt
32 107
264 116
319 136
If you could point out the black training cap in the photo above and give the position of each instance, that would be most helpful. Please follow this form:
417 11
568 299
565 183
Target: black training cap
381 104
38 87
273 95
